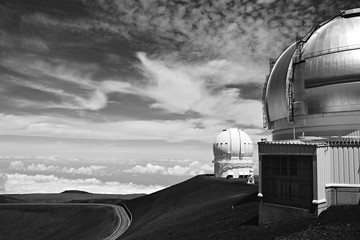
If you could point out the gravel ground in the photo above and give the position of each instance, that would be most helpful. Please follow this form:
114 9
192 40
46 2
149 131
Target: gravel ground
208 208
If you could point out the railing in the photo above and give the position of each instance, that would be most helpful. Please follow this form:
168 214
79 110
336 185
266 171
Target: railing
328 51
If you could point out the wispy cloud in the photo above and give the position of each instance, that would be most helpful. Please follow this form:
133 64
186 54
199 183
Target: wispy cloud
71 83
169 130
175 87
182 88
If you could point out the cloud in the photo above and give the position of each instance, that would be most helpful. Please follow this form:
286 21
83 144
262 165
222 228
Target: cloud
27 43
91 170
194 168
17 165
180 88
201 129
175 87
265 1
78 26
22 183
3 179
71 85
148 169
18 160
40 167
204 29
35 44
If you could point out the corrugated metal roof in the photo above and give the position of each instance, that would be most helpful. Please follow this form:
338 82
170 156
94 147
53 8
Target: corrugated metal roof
344 141
289 142
288 147
317 141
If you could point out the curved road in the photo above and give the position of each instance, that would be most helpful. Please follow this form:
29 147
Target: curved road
123 219
123 223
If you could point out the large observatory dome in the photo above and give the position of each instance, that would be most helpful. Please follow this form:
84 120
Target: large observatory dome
233 150
314 86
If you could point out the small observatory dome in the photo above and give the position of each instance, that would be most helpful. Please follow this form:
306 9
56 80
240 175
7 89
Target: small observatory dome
314 86
233 150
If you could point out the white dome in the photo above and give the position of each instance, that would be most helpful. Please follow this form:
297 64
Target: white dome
232 144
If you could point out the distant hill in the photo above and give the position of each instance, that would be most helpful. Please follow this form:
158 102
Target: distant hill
75 191
6 199
68 196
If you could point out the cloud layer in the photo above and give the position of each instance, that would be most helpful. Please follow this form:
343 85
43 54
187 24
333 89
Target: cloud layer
40 167
193 169
22 183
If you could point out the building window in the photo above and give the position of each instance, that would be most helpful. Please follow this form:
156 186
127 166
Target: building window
287 180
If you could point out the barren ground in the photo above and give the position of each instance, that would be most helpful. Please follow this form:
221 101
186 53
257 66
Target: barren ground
56 222
205 207
202 207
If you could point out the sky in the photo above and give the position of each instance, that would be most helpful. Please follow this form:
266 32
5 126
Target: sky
127 96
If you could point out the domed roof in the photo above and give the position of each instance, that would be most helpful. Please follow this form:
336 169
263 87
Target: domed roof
232 144
317 79
332 51
339 34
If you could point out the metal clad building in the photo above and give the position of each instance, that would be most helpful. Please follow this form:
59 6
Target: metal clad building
312 107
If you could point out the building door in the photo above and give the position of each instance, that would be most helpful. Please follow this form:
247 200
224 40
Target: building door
287 180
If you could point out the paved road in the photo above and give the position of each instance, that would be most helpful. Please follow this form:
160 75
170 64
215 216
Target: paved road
123 223
123 219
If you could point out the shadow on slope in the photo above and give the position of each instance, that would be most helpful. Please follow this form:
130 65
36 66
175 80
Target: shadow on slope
204 205
56 222
66 196
6 199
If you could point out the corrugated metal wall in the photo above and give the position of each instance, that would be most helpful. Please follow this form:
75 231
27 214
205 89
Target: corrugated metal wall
344 164
336 164
322 172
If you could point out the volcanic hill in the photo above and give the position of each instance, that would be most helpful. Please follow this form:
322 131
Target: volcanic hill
205 207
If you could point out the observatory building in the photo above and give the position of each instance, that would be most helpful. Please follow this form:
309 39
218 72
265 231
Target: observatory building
233 150
311 105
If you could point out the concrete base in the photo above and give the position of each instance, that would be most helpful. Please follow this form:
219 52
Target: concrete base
270 213
321 207
343 195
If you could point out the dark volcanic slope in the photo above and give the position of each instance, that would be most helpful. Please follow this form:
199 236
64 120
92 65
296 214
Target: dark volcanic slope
67 196
56 222
203 205
6 199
